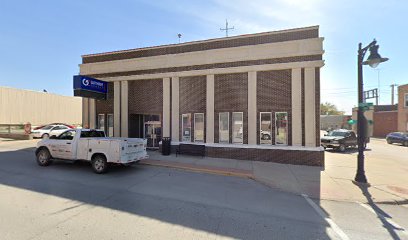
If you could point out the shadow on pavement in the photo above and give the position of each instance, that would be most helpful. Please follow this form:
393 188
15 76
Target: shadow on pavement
76 181
382 215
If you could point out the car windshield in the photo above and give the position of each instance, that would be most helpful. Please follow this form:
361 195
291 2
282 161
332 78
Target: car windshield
47 127
337 134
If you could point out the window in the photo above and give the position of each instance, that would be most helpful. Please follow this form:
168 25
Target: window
186 127
237 127
101 122
281 126
198 127
68 135
92 134
223 127
110 125
265 126
406 100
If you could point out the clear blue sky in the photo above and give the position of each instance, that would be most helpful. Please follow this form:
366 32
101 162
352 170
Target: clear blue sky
41 42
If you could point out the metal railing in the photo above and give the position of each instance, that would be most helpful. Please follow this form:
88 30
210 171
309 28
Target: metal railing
12 128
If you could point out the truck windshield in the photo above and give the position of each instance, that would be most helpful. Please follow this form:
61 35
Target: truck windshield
337 134
92 134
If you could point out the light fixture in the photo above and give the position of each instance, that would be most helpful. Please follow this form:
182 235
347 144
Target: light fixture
375 58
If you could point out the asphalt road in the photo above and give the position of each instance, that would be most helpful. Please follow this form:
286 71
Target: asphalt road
69 201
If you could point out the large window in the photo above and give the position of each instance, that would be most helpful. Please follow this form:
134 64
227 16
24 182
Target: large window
265 133
406 100
224 127
237 127
281 126
186 127
110 126
198 127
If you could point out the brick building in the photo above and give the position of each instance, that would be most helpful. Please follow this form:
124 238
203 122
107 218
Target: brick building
252 97
403 108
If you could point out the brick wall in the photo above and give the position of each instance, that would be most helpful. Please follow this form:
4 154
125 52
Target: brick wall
402 110
146 96
192 99
231 95
247 40
274 95
384 123
106 106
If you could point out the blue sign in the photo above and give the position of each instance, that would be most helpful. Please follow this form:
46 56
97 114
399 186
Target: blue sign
90 87
90 84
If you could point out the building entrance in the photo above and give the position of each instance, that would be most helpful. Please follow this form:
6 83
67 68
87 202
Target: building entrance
146 126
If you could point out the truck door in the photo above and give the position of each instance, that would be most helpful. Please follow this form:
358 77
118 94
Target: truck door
65 148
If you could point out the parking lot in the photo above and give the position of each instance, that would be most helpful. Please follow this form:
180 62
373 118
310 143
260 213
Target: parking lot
69 201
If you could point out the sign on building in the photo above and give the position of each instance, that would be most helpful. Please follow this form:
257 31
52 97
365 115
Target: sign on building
90 87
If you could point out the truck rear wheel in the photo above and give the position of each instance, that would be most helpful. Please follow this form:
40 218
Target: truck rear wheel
99 164
43 157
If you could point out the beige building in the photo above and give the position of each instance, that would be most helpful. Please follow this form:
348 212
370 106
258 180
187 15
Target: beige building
254 96
19 106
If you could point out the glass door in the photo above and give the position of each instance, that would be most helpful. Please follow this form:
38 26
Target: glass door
152 132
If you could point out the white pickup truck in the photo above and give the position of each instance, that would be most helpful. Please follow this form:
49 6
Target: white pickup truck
93 146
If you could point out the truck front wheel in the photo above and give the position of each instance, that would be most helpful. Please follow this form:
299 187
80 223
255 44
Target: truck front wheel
43 157
99 164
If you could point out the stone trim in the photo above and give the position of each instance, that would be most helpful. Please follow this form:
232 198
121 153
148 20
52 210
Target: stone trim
211 66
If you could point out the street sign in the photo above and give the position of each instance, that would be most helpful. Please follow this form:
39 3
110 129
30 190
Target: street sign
365 106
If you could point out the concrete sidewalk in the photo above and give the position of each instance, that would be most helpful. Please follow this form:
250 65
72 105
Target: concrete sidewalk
332 183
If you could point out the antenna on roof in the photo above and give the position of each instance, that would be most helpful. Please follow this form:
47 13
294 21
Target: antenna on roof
179 37
226 28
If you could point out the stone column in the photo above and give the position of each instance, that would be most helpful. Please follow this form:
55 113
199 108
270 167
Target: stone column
310 113
175 130
92 113
209 134
124 109
85 112
116 109
166 107
252 108
296 107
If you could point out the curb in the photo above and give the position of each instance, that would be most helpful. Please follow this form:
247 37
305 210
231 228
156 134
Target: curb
202 169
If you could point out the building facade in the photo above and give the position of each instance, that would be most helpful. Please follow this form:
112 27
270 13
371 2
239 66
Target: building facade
253 97
403 108
19 106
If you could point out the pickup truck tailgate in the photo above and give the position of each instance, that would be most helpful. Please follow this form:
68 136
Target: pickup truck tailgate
133 149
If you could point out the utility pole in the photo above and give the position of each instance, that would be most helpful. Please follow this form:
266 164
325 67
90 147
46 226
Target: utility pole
392 93
226 28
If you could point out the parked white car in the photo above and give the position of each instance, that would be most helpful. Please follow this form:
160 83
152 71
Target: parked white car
48 131
93 146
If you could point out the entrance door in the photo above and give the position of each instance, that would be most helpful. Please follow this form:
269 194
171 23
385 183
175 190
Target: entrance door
152 133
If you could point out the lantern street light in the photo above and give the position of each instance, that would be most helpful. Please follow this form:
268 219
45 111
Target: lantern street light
373 61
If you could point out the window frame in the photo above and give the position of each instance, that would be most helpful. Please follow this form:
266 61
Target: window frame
406 100
276 130
182 127
260 128
104 122
232 123
219 129
199 141
110 134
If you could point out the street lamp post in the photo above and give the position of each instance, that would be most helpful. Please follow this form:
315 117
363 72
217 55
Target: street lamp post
373 60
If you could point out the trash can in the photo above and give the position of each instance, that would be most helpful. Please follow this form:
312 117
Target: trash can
166 146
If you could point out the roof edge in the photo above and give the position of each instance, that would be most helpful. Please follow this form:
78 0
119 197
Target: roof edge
206 40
